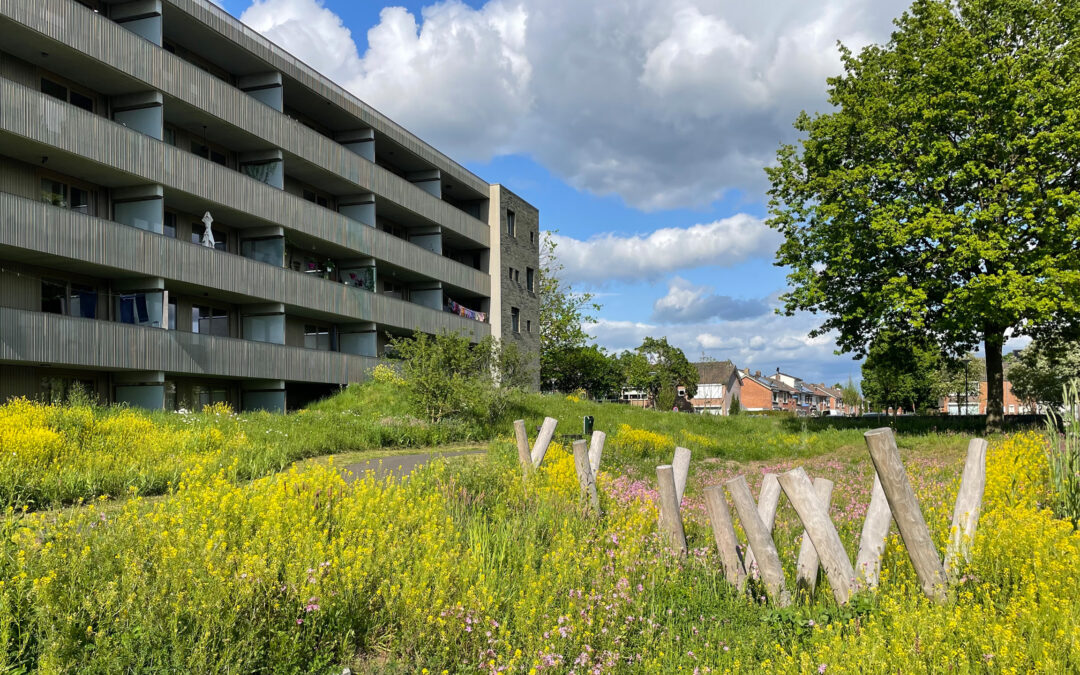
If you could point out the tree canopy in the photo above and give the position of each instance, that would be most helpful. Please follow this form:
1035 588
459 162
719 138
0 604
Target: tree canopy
1039 373
656 366
562 315
941 194
902 372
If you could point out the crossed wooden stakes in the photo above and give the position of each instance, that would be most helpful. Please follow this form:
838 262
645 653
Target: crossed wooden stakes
891 499
586 457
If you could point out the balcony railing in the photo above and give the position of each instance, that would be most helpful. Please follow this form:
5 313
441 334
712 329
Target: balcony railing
32 225
40 338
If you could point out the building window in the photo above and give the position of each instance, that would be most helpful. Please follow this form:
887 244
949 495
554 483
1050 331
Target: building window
172 314
209 321
528 326
320 199
168 225
510 273
68 299
140 309
215 155
515 319
531 233
530 273
57 90
66 196
511 226
317 337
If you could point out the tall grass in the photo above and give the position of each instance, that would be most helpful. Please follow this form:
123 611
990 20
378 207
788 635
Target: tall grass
1064 454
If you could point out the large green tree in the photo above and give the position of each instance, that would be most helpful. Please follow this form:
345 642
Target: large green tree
563 313
902 371
658 367
941 193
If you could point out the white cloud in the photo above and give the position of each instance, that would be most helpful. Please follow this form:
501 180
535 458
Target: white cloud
665 104
689 303
611 257
764 343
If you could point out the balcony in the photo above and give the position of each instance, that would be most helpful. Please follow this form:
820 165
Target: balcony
118 251
37 337
235 197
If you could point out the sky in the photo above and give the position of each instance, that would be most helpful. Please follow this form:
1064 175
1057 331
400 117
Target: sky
639 128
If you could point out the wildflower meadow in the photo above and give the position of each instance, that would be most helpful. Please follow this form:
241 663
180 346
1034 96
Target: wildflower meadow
469 567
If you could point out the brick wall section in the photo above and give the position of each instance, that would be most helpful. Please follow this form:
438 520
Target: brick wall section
754 396
520 252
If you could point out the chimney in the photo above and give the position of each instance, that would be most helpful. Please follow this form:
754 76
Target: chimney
757 373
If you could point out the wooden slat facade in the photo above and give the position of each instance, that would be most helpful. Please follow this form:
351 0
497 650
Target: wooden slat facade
233 30
30 225
109 43
42 118
36 337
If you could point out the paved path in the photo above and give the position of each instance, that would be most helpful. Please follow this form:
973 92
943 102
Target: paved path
399 465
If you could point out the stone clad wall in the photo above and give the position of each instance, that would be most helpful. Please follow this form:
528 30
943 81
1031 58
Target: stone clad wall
520 252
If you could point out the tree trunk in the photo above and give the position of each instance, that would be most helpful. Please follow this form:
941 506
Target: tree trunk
995 380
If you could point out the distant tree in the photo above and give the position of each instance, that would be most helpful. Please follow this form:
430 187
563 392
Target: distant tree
941 193
655 365
734 408
590 368
1040 373
902 371
850 395
563 313
665 399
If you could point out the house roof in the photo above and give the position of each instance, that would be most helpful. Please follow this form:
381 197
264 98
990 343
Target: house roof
714 372
779 385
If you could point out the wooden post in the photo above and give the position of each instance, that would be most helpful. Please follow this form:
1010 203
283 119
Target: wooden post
543 440
724 534
680 464
522 437
596 448
761 542
585 476
968 506
872 542
905 509
670 519
807 567
815 518
768 501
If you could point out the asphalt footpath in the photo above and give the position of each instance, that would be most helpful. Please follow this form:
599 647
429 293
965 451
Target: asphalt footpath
398 465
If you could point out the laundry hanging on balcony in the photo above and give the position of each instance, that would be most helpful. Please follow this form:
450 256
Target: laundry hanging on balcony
208 233
461 310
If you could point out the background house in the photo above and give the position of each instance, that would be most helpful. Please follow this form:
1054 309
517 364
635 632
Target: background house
718 383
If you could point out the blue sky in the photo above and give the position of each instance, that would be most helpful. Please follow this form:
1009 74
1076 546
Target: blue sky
640 129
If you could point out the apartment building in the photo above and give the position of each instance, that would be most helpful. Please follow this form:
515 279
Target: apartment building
189 214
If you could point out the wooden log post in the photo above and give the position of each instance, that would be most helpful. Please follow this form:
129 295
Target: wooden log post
813 512
522 437
761 541
680 465
543 440
968 506
670 519
596 448
905 509
872 542
768 502
585 477
807 568
724 533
